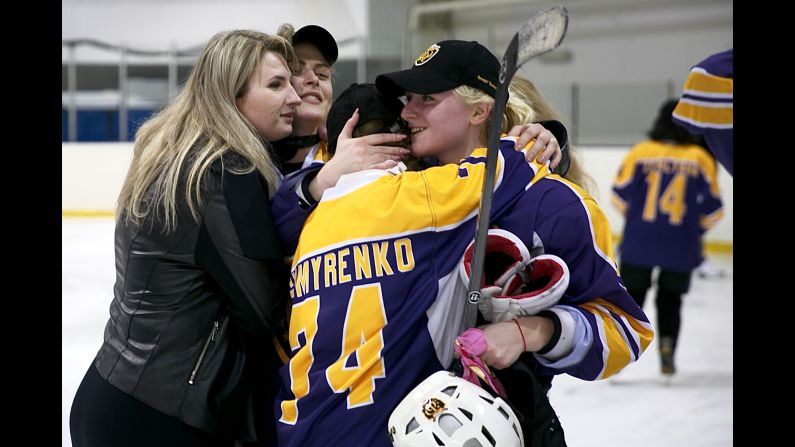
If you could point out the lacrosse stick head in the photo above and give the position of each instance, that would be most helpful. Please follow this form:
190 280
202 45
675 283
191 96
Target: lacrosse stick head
542 33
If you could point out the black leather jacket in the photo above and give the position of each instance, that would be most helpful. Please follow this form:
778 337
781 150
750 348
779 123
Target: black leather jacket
194 310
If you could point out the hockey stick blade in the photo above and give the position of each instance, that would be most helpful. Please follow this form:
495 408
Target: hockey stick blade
543 32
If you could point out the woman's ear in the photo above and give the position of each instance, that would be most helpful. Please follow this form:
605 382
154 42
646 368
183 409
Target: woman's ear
480 113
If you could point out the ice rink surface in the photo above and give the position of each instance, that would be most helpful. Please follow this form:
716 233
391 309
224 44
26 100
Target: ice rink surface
637 407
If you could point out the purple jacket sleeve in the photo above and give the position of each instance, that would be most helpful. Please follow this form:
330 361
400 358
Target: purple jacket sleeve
292 205
609 329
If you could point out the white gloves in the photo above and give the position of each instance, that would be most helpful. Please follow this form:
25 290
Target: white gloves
515 285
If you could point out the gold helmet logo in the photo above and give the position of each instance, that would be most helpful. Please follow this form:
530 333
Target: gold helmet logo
427 55
432 407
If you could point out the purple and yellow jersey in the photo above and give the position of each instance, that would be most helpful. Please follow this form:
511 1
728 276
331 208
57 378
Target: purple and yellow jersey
669 196
294 216
376 296
288 216
557 217
707 105
318 154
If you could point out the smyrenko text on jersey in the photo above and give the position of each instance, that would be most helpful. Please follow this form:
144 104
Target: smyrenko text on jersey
351 263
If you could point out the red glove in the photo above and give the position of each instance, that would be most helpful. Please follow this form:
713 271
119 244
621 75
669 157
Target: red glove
516 285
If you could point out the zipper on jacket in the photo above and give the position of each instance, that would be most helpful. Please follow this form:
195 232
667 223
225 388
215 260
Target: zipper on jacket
210 339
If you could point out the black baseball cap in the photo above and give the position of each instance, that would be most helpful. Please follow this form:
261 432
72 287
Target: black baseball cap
319 37
372 105
445 66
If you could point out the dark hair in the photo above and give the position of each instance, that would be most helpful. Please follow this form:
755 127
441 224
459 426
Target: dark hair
665 130
372 106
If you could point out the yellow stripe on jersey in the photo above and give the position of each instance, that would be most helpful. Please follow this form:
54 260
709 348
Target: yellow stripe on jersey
705 114
709 221
601 236
710 169
701 83
626 172
619 203
400 204
643 333
541 171
322 154
601 229
617 352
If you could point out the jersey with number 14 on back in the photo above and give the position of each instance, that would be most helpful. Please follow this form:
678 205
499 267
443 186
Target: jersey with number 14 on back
669 194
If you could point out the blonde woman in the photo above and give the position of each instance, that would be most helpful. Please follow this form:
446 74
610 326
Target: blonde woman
200 277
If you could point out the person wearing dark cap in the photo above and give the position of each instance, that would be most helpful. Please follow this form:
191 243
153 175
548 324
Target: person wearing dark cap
317 51
376 295
554 216
377 114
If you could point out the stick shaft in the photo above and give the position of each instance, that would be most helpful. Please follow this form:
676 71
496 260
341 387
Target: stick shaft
484 212
543 32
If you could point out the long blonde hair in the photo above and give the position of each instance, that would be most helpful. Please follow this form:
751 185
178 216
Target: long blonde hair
516 112
199 126
523 90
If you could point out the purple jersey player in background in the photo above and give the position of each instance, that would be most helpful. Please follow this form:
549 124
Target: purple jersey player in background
667 190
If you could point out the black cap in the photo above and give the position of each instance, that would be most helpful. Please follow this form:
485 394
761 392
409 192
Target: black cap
372 105
444 66
319 37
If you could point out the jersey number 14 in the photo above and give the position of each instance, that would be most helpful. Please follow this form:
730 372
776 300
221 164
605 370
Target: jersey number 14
670 202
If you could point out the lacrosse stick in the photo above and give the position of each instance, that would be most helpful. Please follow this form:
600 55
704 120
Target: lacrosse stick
542 33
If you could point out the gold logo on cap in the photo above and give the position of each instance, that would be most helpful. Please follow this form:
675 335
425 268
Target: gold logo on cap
432 407
486 81
427 55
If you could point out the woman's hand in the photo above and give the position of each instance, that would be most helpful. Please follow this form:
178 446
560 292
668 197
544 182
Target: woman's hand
544 140
507 340
357 154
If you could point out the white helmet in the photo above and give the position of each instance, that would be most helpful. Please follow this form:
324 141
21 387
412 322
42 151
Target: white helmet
446 410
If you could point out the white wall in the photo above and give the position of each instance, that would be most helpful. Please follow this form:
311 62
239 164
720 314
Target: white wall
157 24
92 175
608 40
615 59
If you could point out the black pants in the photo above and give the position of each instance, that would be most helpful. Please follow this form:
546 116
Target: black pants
527 393
104 416
670 288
